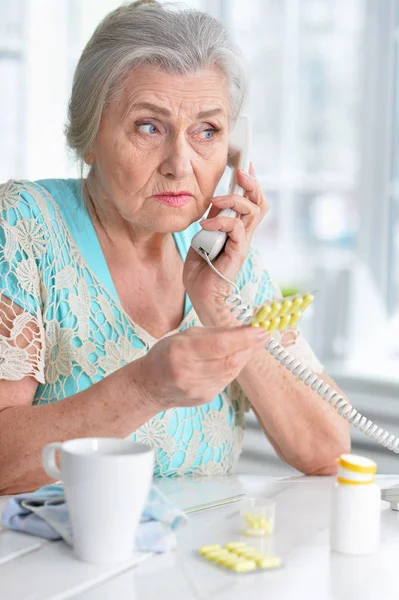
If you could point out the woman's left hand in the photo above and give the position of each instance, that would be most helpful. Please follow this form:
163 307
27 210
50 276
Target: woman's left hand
206 289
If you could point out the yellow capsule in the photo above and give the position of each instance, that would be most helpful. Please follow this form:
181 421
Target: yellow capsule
275 309
244 566
209 547
296 304
259 523
268 562
285 307
250 555
307 301
266 526
263 313
215 554
234 545
248 517
225 560
295 318
274 323
285 319
265 324
254 323
241 551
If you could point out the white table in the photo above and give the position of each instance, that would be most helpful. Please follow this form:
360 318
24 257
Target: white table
31 569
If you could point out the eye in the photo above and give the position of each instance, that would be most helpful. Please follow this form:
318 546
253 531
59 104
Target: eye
147 128
209 133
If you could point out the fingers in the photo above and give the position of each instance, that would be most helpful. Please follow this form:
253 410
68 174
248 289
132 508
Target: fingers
253 190
241 205
251 208
228 368
220 343
234 227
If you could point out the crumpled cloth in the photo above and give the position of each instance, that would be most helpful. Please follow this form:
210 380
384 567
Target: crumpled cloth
44 513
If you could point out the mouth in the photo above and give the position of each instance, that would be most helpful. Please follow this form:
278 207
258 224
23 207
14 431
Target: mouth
174 199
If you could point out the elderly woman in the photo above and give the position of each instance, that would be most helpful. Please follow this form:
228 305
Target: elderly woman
110 324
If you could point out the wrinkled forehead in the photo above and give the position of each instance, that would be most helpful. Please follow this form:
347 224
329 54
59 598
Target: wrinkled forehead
196 95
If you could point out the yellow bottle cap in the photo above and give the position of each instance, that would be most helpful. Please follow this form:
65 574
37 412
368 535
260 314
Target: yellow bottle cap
357 464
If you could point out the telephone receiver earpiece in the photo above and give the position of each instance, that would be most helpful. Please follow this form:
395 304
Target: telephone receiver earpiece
212 243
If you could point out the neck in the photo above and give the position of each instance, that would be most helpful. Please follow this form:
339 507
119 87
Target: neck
122 234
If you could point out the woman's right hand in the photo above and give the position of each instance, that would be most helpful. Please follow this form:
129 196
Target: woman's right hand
192 367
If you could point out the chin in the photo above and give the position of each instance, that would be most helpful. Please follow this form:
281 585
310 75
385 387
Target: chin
174 222
172 225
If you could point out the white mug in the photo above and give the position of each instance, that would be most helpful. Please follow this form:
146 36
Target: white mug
106 484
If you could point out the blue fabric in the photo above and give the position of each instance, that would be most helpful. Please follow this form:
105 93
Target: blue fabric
68 196
79 352
44 513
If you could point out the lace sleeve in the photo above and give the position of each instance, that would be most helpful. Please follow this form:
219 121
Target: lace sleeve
22 245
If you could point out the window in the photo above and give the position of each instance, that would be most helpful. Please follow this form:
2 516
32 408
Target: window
301 55
11 74
394 177
324 89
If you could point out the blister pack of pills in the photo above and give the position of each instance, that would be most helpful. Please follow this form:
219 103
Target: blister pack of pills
281 314
239 557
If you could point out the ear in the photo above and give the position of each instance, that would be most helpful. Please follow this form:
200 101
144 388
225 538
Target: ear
89 158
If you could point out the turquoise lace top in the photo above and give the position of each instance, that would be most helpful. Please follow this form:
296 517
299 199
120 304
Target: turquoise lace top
52 266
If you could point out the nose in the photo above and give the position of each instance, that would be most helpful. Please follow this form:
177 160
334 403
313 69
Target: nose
177 163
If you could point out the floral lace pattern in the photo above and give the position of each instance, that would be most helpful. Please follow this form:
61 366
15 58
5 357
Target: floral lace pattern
63 327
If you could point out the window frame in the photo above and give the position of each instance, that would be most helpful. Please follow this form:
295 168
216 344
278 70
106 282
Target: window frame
375 241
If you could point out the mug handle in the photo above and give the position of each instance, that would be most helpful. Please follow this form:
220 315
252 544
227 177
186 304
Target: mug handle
48 460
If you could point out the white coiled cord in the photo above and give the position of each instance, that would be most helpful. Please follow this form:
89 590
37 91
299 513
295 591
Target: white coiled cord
327 393
310 379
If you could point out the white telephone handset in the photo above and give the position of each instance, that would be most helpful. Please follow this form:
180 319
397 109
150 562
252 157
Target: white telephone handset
212 242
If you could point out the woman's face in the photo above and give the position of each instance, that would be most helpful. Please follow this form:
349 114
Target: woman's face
164 135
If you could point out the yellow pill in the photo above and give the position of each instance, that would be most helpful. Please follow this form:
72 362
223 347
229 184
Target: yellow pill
235 545
275 309
263 313
268 562
209 547
256 557
226 560
249 517
296 304
244 566
251 523
285 319
274 323
215 554
240 551
295 318
267 528
260 523
265 324
307 301
254 323
285 307
250 555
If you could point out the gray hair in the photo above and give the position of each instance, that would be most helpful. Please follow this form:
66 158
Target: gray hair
178 41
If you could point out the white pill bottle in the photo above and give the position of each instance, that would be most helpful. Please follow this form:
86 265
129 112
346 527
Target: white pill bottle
355 507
